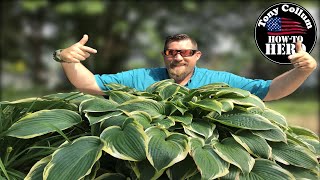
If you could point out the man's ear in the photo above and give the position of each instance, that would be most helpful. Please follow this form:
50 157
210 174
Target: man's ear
198 55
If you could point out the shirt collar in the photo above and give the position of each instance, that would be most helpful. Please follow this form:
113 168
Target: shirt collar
193 75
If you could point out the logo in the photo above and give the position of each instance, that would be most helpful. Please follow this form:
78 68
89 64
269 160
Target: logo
278 29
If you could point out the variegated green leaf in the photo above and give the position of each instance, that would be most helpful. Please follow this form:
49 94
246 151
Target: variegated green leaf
152 107
244 121
120 96
95 117
74 160
275 117
142 118
97 105
111 176
251 100
145 171
36 172
169 91
213 86
159 85
232 152
36 104
41 122
302 173
234 173
207 104
113 121
300 140
312 142
231 93
127 142
201 127
164 148
119 87
253 144
72 97
227 105
183 169
294 155
209 164
275 135
266 169
185 119
303 131
163 123
172 107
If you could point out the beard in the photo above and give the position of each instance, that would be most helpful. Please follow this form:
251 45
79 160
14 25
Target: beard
179 73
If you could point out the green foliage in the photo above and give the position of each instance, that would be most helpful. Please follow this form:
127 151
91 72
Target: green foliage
166 132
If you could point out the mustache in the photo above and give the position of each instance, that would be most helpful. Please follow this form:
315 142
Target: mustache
177 64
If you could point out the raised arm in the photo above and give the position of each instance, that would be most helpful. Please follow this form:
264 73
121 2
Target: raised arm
285 84
77 73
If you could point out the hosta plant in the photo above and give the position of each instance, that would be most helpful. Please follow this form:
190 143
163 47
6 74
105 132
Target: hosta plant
165 132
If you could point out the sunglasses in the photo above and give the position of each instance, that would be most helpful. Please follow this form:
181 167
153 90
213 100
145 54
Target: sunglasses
183 53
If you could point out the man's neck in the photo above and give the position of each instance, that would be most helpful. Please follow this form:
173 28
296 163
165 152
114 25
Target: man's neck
184 81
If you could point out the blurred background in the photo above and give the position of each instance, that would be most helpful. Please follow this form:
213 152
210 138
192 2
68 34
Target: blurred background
130 34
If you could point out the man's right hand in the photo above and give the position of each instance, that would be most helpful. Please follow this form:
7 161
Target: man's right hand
77 52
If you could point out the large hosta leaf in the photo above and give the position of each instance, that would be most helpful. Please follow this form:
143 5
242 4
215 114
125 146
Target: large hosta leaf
275 135
145 171
209 163
275 117
142 118
74 160
164 148
303 131
208 105
302 141
227 105
156 87
265 169
72 97
42 122
36 104
231 93
244 121
97 105
95 117
113 121
232 152
183 169
185 119
153 108
302 173
201 127
169 91
163 123
120 96
127 142
111 176
251 100
36 172
253 144
294 155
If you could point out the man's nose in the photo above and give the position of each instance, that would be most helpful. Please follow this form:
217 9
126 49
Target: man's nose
178 57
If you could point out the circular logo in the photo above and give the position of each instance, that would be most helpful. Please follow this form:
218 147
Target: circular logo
278 29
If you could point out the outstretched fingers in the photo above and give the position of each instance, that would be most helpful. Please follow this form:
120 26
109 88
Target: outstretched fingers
88 49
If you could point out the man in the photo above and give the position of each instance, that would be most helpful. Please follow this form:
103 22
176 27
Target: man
180 57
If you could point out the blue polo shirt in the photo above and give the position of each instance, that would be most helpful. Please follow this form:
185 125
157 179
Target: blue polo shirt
142 78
